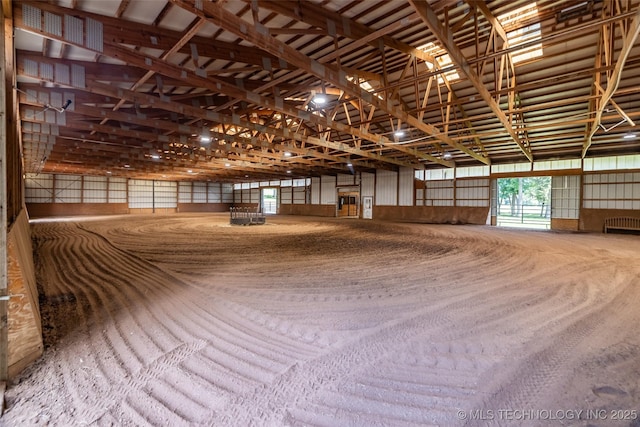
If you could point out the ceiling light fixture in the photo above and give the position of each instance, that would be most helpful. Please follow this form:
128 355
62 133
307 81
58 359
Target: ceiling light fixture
319 99
287 154
629 135
399 133
446 155
205 139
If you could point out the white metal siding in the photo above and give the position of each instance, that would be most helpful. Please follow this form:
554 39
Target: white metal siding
68 189
94 189
612 191
494 197
255 195
227 193
39 188
386 188
344 179
299 195
199 190
439 193
471 171
286 195
405 195
367 184
165 194
511 167
328 196
472 192
184 192
565 197
214 192
612 163
315 191
140 193
117 190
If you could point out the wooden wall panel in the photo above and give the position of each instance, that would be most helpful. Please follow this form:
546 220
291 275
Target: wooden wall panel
43 210
311 210
565 224
25 327
593 219
433 214
204 207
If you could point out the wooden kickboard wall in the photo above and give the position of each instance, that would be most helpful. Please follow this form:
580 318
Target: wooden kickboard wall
25 327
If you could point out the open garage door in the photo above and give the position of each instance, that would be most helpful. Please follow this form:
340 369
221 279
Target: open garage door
270 201
524 202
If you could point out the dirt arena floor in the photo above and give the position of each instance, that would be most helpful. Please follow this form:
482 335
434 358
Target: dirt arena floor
186 320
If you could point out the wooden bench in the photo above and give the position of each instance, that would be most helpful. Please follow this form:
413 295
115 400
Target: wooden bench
621 223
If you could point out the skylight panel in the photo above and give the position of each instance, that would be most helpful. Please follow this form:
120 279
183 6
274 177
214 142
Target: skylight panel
523 35
444 62
365 86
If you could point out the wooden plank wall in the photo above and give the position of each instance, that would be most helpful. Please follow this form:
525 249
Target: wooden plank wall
25 326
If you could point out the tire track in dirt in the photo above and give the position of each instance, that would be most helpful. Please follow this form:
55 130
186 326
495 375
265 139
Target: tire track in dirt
353 322
531 379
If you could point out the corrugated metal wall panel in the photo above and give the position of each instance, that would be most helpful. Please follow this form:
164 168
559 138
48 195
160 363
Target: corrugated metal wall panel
68 189
386 188
199 190
565 197
215 192
315 191
227 193
94 189
255 196
439 193
117 190
367 184
300 195
140 193
346 179
184 192
165 194
406 184
39 188
494 197
612 191
286 195
472 192
328 196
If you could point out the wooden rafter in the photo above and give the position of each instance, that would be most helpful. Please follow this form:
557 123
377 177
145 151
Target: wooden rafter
613 80
431 19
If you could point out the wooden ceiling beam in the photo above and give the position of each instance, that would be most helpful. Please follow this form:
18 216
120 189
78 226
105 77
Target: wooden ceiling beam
613 81
431 19
257 36
193 77
188 130
122 31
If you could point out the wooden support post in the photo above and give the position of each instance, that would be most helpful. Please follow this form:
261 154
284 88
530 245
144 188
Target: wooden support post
4 294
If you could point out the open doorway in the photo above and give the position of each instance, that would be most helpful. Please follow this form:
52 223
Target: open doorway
269 201
524 202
